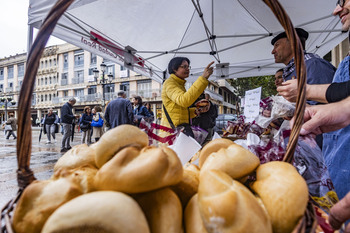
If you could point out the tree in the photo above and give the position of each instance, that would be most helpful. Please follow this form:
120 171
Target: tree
267 84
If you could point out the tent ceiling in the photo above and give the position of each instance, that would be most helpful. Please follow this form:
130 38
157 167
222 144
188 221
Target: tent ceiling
237 32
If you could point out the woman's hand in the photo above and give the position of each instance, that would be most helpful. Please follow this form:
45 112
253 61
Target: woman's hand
208 70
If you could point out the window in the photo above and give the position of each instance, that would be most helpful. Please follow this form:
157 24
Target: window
10 72
54 62
144 88
64 79
65 93
20 68
45 80
45 97
1 73
42 98
50 80
93 59
50 97
78 76
110 70
46 64
79 92
42 81
91 71
65 60
1 87
11 85
50 63
79 58
92 90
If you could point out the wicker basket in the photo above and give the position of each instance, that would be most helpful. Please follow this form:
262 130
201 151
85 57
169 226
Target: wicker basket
24 141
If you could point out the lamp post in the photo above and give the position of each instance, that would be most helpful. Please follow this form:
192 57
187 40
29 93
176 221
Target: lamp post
7 100
103 81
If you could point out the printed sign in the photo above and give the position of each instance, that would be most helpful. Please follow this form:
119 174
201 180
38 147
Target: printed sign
251 104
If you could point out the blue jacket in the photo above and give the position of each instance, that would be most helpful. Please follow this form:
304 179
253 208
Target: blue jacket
119 112
67 114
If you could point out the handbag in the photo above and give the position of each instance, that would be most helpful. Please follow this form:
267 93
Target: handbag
8 128
185 127
98 123
84 127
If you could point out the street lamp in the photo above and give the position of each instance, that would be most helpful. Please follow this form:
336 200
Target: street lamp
7 100
103 80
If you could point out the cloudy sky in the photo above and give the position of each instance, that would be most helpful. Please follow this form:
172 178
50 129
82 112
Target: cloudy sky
13 25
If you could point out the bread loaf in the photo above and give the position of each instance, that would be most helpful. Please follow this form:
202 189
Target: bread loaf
284 193
192 217
234 160
228 206
39 200
115 139
82 176
213 146
162 209
106 211
134 171
79 155
188 186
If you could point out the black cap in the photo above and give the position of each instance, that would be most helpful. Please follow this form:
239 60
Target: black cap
301 33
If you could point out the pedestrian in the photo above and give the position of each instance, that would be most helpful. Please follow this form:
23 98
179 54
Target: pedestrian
50 122
149 108
85 125
119 111
67 119
176 100
37 121
98 131
206 120
140 111
12 121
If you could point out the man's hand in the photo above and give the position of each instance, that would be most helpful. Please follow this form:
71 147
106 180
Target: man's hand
289 90
340 213
208 70
326 118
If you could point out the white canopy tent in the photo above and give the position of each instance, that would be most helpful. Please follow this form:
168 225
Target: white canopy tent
144 35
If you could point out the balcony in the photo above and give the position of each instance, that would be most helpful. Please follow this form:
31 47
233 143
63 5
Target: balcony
77 80
148 93
64 82
8 89
18 88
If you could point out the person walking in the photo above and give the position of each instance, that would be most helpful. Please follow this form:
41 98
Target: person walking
67 119
12 121
98 131
176 100
140 111
85 125
50 123
119 111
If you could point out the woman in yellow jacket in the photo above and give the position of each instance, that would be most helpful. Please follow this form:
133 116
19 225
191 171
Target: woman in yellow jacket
176 100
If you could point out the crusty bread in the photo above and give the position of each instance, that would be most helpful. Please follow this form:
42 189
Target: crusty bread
188 186
162 209
235 160
79 155
133 170
115 139
192 217
284 193
106 211
39 200
227 205
213 146
82 176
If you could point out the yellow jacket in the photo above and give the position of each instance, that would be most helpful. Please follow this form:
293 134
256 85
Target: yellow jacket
177 100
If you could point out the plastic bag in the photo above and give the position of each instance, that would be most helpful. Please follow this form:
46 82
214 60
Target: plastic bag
199 134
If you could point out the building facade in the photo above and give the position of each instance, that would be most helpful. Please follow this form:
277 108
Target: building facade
66 71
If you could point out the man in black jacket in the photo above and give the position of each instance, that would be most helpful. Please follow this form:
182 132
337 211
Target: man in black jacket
119 111
67 118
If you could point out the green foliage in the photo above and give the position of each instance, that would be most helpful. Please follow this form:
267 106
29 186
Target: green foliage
267 84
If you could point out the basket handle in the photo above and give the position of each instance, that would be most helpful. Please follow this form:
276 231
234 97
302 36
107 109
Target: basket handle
298 53
24 140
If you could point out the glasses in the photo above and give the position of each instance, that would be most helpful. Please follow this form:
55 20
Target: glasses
185 67
341 2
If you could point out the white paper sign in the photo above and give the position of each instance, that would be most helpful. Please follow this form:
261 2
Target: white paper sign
251 104
185 147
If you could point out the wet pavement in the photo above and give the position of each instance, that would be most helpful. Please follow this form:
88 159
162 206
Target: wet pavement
43 158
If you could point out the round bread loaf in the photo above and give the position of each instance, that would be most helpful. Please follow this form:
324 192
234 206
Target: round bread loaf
82 176
106 211
213 146
39 200
115 139
162 209
234 160
134 171
227 205
192 217
284 193
187 187
79 155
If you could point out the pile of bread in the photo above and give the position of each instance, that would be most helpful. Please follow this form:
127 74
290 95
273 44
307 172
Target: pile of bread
122 185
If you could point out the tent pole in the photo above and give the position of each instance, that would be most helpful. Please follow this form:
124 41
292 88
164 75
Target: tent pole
29 38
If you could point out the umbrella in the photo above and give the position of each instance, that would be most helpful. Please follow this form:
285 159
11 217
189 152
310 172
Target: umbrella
73 127
41 131
143 35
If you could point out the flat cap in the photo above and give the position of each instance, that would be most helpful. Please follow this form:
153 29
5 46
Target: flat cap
301 33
